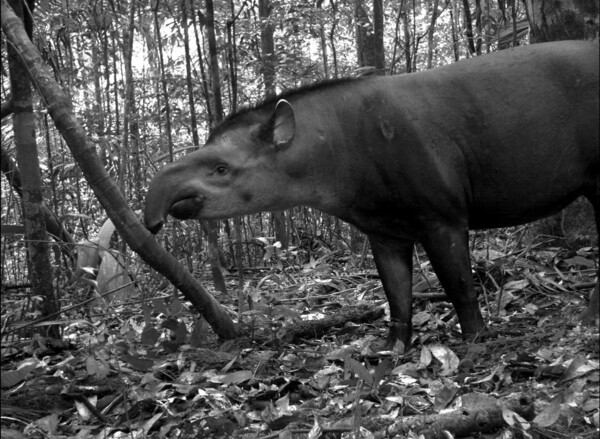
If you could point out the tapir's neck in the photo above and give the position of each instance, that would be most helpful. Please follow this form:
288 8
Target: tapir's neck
312 163
326 160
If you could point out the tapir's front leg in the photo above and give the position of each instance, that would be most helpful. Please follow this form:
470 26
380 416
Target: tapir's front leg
448 250
394 263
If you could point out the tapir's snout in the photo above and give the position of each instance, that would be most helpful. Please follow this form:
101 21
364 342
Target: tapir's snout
186 208
154 228
182 209
170 192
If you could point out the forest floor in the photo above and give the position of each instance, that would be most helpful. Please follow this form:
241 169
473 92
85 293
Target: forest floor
150 369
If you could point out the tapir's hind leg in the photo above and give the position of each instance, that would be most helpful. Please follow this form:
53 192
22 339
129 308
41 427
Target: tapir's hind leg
592 313
448 250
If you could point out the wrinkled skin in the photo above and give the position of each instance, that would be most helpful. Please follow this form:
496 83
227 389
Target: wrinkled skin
497 141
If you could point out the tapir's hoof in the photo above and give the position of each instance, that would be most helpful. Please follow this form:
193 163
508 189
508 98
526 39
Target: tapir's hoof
389 345
590 317
592 314
479 336
398 339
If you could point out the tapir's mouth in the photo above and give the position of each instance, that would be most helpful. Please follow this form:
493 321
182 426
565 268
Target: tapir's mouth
186 208
183 208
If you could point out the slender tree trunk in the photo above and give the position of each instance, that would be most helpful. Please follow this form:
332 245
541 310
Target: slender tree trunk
334 23
267 48
53 224
395 58
40 271
379 53
51 221
163 80
430 33
407 45
515 36
478 27
232 57
98 120
130 113
165 95
213 60
103 38
454 35
488 26
204 83
237 221
469 25
188 71
324 48
211 225
369 36
116 88
49 209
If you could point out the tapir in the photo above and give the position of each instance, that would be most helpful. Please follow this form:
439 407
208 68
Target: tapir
494 141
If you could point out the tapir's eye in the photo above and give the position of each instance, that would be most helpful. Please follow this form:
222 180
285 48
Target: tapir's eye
221 170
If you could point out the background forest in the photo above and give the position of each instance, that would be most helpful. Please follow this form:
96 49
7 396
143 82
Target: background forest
147 81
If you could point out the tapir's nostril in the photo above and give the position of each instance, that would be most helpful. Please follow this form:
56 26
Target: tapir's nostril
154 228
186 208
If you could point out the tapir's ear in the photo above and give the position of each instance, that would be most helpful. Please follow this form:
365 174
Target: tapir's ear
279 129
284 123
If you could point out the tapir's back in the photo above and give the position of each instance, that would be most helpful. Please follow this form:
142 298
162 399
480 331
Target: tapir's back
517 131
550 153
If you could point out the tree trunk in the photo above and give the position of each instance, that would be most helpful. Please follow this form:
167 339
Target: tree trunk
369 37
237 251
40 270
407 45
105 188
469 29
204 82
267 48
211 225
395 57
324 48
215 80
334 23
453 19
131 129
51 221
562 20
478 28
431 32
163 80
188 74
97 120
379 53
232 56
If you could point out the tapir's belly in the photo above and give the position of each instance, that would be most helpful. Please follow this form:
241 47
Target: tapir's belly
508 211
473 196
411 223
523 194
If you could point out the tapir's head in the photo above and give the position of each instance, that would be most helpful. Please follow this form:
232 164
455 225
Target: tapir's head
240 170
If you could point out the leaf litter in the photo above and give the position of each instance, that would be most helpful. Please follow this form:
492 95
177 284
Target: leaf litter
305 365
